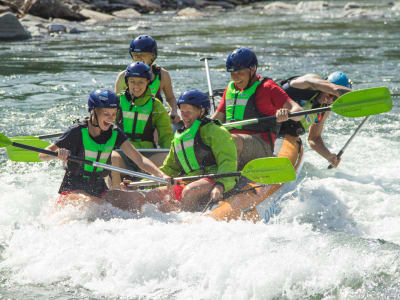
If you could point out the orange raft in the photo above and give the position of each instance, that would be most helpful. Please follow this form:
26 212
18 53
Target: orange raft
259 202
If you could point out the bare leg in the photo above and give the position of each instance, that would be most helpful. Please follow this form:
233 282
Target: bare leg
194 193
131 201
117 161
162 198
239 144
78 198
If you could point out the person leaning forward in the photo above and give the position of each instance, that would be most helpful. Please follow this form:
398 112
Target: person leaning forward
249 96
139 116
94 139
311 91
201 147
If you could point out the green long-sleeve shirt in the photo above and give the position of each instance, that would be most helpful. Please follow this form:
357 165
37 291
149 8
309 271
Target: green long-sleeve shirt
160 121
224 149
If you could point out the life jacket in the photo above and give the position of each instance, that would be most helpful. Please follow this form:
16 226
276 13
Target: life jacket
190 151
241 105
306 98
155 84
137 120
97 153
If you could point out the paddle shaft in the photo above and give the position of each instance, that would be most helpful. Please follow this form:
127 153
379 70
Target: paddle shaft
295 114
188 178
210 90
339 155
93 163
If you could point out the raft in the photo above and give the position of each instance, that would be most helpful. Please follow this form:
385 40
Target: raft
257 202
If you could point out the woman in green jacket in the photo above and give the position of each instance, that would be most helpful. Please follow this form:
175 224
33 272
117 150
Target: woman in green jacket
201 147
140 114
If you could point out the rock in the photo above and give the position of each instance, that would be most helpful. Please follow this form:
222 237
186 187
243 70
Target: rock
11 28
51 9
4 9
128 13
56 28
191 12
274 6
312 5
95 16
396 6
147 5
363 14
351 5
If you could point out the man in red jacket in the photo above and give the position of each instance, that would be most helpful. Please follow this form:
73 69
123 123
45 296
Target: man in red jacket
249 96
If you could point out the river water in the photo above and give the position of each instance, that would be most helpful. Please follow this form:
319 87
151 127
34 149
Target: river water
337 236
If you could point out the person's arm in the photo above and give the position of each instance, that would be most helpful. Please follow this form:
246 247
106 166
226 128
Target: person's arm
317 144
166 87
144 163
120 85
53 147
316 83
219 114
288 107
170 166
162 123
224 149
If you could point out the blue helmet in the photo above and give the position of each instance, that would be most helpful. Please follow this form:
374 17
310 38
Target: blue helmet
103 98
241 58
143 43
340 78
196 98
138 69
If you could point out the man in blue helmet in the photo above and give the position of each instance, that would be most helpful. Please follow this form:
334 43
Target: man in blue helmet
94 139
201 147
311 91
140 116
144 48
249 96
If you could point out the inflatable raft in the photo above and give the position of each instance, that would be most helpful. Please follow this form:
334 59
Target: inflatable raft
257 202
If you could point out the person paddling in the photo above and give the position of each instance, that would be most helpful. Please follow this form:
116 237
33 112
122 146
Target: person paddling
248 96
201 147
311 91
144 48
94 139
139 116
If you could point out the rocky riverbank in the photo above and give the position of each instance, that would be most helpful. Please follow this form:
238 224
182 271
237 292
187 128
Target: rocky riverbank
24 19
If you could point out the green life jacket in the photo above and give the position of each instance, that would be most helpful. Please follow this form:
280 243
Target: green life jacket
190 151
97 152
241 105
309 119
137 119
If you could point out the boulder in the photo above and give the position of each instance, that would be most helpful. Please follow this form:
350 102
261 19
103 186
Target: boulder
396 6
51 9
11 28
191 12
276 6
147 5
352 5
128 13
95 16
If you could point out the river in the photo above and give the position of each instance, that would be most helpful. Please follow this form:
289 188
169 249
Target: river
337 236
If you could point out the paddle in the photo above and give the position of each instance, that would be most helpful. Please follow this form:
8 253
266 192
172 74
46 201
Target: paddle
210 90
339 155
268 170
360 103
6 142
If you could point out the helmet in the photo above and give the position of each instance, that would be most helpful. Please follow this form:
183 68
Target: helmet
138 69
196 98
143 43
340 78
239 59
103 98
